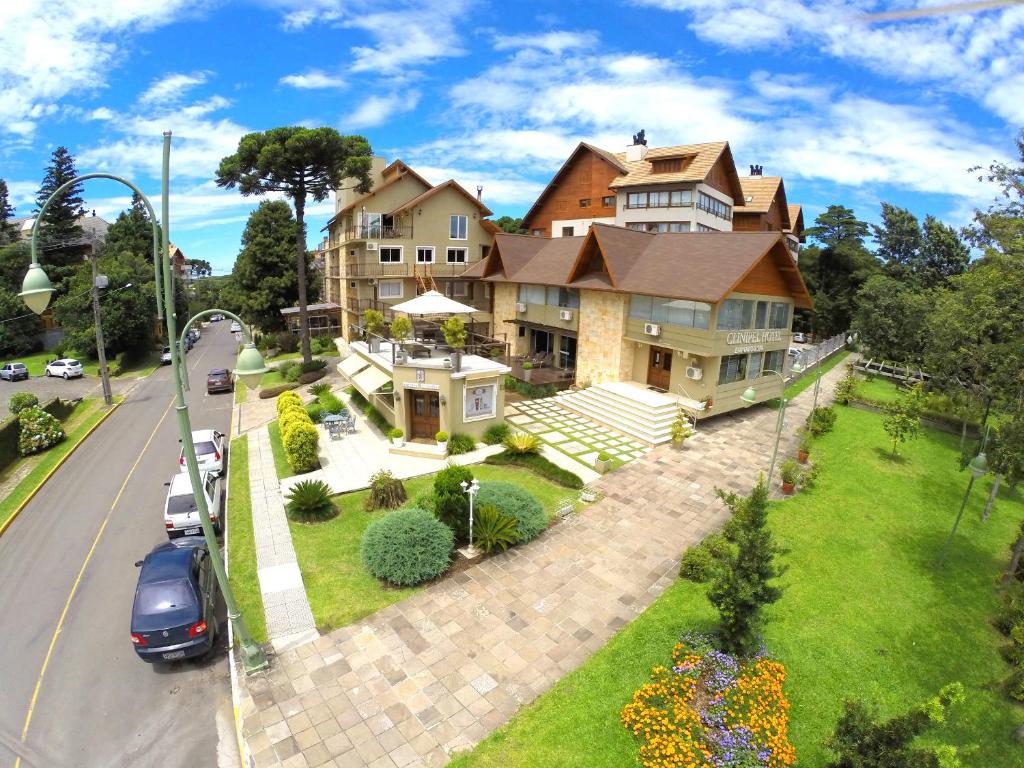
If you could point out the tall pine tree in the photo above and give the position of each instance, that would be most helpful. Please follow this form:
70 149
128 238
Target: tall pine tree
7 232
60 235
132 232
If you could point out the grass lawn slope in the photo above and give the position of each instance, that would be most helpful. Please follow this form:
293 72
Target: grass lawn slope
865 613
242 543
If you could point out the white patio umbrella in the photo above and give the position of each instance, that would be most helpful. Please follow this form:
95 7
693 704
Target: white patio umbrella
432 303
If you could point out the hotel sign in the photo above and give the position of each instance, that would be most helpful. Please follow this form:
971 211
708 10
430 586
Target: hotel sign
751 341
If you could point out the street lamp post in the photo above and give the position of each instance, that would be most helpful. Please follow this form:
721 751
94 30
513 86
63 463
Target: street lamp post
101 351
749 397
470 489
978 468
37 291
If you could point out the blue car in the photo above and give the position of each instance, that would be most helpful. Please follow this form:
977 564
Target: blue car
174 615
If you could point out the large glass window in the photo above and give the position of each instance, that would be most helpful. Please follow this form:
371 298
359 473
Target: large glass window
458 227
389 289
391 255
532 294
654 309
735 314
733 368
563 297
780 315
680 197
761 315
773 360
636 200
657 199
754 365
714 206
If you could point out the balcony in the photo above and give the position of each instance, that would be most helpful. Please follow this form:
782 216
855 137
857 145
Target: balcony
402 269
377 232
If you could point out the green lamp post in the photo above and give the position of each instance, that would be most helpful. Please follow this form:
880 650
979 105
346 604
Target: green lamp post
978 468
37 291
749 397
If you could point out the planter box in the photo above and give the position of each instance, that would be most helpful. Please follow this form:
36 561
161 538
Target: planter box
602 466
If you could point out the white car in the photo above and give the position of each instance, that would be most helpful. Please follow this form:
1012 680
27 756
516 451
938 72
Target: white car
181 518
165 356
235 327
66 367
209 445
799 337
216 318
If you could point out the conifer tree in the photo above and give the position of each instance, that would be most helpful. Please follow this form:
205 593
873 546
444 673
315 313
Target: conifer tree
60 231
7 232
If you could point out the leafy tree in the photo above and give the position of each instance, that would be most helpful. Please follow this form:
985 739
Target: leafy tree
213 292
7 231
60 229
512 225
899 240
131 232
1001 227
837 226
902 419
14 261
1005 453
741 586
892 318
943 254
17 336
262 281
861 741
301 163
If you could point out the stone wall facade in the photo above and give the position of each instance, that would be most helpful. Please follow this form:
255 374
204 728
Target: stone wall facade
602 353
505 297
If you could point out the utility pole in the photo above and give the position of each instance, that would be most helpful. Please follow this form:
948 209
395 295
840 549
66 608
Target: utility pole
101 353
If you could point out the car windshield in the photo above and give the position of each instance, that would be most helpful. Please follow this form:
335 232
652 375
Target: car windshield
165 596
204 448
18 367
72 362
181 505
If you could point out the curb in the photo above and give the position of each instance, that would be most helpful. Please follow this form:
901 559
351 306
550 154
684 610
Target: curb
14 515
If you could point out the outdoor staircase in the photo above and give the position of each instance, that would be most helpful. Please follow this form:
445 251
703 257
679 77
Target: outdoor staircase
632 410
424 278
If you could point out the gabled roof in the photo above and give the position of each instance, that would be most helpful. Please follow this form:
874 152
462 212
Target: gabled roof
759 192
796 221
582 147
450 184
398 171
699 266
401 168
698 161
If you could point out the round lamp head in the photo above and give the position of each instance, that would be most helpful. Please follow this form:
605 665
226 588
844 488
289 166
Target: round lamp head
979 465
796 367
250 366
36 289
464 485
749 397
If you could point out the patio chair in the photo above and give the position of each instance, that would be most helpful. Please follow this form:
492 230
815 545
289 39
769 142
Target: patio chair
350 424
336 429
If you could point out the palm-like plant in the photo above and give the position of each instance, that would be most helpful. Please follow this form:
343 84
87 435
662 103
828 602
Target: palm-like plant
310 502
522 442
492 529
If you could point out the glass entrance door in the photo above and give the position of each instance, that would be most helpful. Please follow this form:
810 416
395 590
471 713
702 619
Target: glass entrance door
566 352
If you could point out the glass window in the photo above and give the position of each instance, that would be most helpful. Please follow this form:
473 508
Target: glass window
585 202
680 197
701 315
205 448
640 307
754 365
389 289
569 298
657 200
391 255
780 315
679 226
458 227
538 233
761 316
773 360
639 226
181 504
636 200
532 294
690 314
567 231
460 288
735 314
714 206
608 201
425 254
165 596
456 255
733 368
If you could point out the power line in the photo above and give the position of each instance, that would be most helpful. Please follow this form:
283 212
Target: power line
65 300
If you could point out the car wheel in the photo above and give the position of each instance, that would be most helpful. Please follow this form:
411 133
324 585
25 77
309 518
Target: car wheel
65 377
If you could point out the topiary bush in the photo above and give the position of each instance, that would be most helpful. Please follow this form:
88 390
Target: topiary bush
450 503
285 398
407 547
38 431
309 501
301 444
459 443
511 500
496 433
19 401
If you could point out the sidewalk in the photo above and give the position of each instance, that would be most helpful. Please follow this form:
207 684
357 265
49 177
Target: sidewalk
437 672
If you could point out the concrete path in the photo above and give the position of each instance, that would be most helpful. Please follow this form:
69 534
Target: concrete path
437 672
289 618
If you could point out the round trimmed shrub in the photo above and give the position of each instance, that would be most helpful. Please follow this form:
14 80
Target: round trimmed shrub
37 431
407 547
286 398
515 502
300 443
19 401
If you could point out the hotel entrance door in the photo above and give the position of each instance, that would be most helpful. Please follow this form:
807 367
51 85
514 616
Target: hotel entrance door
659 369
424 414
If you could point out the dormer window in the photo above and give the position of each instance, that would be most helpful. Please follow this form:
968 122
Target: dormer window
667 165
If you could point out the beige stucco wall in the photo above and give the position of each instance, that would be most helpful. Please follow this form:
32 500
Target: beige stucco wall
453 391
505 309
602 353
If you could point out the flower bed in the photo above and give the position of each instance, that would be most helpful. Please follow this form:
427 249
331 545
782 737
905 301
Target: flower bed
713 710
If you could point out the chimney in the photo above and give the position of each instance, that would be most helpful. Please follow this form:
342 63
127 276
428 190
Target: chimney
638 149
479 193
755 170
94 213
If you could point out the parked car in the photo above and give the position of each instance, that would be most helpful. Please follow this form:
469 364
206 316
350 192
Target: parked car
209 445
800 337
165 356
174 613
189 343
235 327
794 353
195 333
181 517
13 371
66 367
219 380
216 318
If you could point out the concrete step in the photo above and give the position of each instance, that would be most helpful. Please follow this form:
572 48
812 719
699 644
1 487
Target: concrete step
645 418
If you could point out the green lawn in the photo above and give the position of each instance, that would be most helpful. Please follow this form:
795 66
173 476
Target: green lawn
878 389
272 379
78 423
36 364
807 380
280 460
340 590
241 543
865 613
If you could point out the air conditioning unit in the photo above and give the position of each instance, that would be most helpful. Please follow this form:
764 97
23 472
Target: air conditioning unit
694 372
520 306
371 246
652 329
372 281
565 314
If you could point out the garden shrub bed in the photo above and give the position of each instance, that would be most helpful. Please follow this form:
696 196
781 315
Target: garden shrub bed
538 464
268 392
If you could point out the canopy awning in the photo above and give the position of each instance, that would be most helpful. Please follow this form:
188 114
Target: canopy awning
568 332
370 380
433 303
352 365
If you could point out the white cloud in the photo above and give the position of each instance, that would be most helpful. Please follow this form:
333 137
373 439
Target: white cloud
377 110
553 42
171 88
101 113
313 79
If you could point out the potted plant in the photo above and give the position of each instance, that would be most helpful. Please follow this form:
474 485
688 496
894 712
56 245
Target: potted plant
442 441
401 329
790 474
603 462
527 370
397 437
707 401
804 450
454 330
680 430
373 324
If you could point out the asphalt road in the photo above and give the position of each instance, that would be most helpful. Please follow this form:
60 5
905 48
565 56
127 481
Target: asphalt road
97 704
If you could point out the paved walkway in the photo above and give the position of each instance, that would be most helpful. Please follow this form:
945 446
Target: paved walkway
437 672
289 618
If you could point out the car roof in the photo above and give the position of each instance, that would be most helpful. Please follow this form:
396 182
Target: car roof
181 484
218 371
170 560
202 434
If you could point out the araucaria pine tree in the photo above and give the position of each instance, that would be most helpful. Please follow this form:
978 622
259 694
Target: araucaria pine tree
7 233
59 226
741 587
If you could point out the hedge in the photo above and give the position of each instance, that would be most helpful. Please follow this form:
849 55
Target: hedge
38 430
268 392
301 447
537 463
517 503
9 430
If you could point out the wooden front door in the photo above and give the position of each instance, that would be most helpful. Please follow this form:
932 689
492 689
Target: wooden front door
424 414
659 368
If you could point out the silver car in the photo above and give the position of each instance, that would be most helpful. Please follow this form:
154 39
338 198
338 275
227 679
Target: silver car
66 367
181 517
209 445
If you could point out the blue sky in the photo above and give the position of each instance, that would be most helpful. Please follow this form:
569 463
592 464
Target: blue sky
847 109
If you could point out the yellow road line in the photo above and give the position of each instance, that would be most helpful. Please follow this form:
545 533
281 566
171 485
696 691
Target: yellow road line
78 579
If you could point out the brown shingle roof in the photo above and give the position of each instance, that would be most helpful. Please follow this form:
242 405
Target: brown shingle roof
699 159
450 184
796 221
759 192
526 259
605 155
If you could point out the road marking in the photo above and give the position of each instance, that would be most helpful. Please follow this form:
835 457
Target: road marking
78 580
